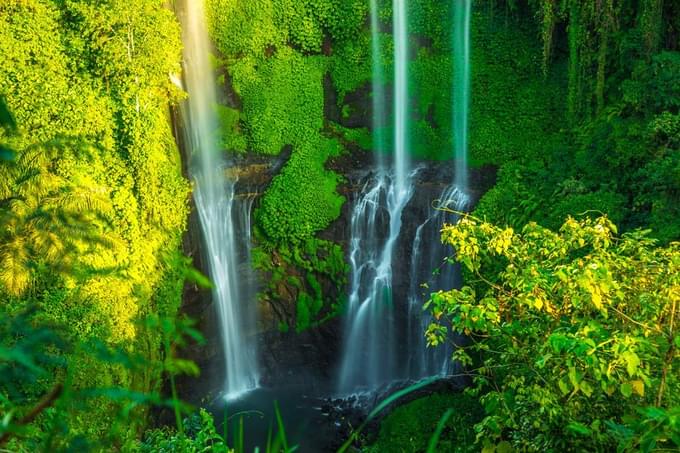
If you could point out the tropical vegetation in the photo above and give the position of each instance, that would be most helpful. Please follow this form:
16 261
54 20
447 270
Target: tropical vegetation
568 322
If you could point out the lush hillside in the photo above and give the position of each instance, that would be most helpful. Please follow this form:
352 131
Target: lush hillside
94 203
571 329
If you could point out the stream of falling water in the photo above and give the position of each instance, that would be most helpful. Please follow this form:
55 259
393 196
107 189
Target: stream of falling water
214 199
369 358
428 259
461 89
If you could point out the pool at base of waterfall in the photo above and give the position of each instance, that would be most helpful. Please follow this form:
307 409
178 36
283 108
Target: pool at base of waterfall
314 423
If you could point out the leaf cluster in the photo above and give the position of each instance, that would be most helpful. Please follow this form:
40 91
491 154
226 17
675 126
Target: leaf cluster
570 332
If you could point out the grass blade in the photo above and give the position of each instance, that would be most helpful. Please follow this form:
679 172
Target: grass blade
432 445
386 402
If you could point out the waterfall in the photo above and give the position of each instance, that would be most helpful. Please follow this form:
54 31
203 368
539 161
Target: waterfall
401 99
461 88
369 358
378 91
214 199
428 259
429 265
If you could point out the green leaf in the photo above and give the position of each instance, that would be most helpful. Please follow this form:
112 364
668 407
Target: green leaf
564 387
562 276
626 390
579 428
632 362
586 388
575 377
432 445
647 444
197 277
176 366
18 356
559 342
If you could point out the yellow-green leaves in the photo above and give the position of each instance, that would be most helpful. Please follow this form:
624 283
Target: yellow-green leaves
568 323
631 362
501 241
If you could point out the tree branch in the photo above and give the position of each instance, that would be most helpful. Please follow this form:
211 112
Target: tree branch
47 401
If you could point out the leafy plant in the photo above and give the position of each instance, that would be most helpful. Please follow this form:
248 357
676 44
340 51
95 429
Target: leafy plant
438 422
573 330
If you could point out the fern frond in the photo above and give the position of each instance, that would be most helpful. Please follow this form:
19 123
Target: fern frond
15 273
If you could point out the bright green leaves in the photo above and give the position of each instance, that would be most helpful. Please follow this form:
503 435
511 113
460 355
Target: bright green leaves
501 242
95 197
282 97
579 428
461 306
626 389
301 200
254 26
631 361
572 323
559 343
283 106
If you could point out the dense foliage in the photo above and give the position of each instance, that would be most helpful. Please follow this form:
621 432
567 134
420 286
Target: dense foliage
410 428
93 203
572 328
573 335
276 55
615 149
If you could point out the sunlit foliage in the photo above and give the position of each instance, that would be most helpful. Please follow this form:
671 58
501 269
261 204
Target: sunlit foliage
93 200
569 332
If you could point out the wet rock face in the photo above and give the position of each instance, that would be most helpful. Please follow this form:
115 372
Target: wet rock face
308 359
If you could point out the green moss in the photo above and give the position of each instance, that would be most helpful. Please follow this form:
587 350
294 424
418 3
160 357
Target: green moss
232 137
301 200
251 28
282 99
245 28
409 428
318 261
308 309
350 65
359 136
515 111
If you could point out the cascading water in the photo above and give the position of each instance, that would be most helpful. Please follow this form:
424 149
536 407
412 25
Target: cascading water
428 265
369 358
461 88
214 199
378 81
428 260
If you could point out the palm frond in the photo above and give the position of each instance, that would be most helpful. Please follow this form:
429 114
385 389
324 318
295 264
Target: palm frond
15 273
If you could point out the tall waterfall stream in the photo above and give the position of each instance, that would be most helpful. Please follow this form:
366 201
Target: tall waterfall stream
374 355
214 200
